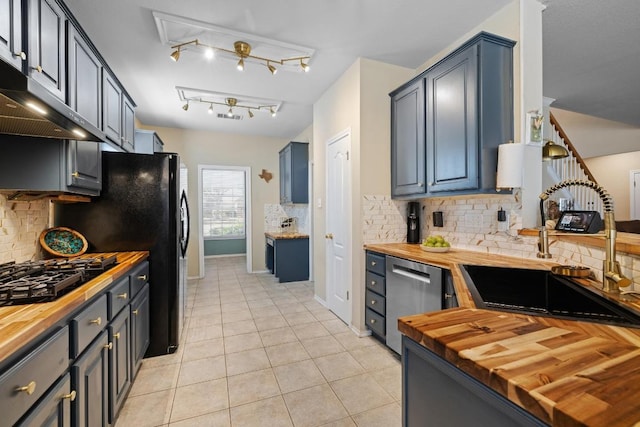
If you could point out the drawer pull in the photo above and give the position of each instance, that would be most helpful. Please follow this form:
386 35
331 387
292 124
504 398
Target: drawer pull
135 312
109 346
38 68
75 174
29 388
448 296
22 55
71 396
373 283
373 263
122 295
373 302
142 277
97 321
372 321
117 335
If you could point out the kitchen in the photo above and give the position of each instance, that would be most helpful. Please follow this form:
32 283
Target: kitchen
369 137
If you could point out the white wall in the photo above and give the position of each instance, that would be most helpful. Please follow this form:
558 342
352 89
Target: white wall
200 147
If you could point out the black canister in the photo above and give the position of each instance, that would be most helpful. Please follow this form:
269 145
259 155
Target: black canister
413 223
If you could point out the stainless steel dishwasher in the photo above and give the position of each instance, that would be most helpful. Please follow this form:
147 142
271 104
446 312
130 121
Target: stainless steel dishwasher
412 288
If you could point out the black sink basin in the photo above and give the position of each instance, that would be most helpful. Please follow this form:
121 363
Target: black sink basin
540 292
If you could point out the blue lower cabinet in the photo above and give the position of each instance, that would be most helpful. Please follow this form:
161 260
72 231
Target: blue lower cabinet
291 259
54 409
90 378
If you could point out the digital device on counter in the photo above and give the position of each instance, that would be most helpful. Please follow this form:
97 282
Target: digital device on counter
579 222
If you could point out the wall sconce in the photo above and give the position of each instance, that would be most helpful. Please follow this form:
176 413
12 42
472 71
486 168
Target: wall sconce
552 151
510 165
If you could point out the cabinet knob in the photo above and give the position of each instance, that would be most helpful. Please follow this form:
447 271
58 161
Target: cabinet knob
431 184
373 302
97 321
21 55
75 174
135 312
142 277
372 321
38 68
122 295
29 388
420 184
117 335
448 296
71 396
328 236
373 263
109 346
373 283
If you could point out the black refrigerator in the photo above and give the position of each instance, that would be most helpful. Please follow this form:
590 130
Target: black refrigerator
140 208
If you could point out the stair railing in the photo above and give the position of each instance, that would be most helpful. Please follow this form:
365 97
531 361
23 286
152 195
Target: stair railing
573 167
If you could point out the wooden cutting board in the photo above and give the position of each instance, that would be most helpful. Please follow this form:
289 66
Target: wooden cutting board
564 377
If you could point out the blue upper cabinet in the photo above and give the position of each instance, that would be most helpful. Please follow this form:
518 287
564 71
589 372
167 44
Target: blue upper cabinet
447 123
11 48
294 173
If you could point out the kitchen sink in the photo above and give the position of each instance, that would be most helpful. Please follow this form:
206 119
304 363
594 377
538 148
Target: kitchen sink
539 292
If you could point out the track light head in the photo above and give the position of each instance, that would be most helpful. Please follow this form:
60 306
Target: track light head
272 111
209 53
271 68
240 65
185 107
304 66
175 55
210 110
250 114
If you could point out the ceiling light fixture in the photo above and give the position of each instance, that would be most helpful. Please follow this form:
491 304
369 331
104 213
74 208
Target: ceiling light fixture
241 50
233 103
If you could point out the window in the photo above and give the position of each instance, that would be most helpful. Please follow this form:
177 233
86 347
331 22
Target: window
223 203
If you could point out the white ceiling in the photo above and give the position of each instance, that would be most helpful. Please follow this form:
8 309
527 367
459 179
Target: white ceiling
577 49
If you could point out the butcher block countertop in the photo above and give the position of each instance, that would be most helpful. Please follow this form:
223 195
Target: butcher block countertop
286 235
21 324
566 373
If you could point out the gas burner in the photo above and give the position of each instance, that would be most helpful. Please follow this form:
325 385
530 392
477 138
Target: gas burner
42 281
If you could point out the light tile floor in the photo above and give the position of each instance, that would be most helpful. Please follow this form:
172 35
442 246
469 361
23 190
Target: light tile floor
260 353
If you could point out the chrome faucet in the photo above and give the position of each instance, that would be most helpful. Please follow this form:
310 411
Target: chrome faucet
613 279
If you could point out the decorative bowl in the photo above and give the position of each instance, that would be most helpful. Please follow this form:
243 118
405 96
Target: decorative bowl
435 248
63 242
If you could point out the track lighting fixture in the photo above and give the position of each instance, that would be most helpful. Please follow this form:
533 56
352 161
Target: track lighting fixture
232 103
175 55
242 51
271 68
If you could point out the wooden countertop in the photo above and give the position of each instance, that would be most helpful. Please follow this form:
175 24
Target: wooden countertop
21 324
285 235
564 372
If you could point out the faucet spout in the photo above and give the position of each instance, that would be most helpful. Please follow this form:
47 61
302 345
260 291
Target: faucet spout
612 279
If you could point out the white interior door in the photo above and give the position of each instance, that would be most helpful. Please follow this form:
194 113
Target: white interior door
338 226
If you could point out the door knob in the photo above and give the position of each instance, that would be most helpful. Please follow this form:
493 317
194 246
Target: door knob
328 236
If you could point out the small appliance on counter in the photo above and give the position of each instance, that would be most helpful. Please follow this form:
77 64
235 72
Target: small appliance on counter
413 223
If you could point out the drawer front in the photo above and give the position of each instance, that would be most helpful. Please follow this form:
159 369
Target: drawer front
376 302
375 263
88 324
54 410
138 278
29 379
376 283
119 296
375 322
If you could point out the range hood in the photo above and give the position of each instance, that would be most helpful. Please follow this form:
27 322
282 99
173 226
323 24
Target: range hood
28 109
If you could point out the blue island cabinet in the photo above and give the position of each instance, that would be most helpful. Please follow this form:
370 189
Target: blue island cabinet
289 258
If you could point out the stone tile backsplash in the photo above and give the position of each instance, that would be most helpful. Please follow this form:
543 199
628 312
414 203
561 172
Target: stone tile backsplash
471 223
274 214
20 226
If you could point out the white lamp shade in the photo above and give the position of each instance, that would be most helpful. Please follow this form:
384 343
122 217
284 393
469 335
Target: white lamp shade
510 165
